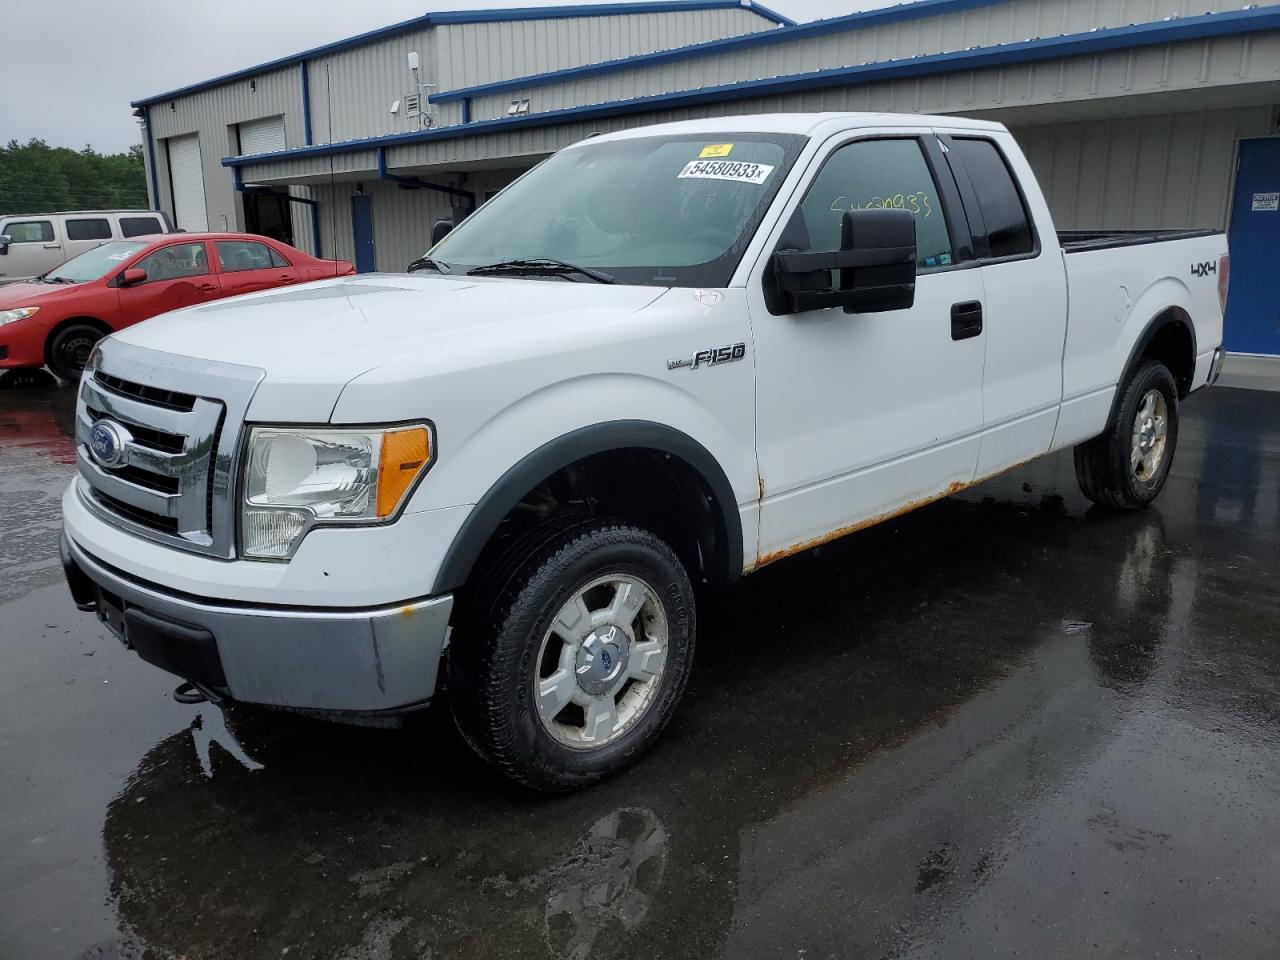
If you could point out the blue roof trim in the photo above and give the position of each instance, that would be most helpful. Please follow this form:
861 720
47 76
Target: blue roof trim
464 16
917 10
1027 51
601 10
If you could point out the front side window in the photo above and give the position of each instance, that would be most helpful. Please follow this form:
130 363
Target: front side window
29 231
1003 212
238 255
139 226
175 262
673 211
95 263
872 174
95 229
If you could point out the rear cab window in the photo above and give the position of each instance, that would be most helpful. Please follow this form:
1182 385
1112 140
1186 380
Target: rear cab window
88 228
139 226
1001 210
28 231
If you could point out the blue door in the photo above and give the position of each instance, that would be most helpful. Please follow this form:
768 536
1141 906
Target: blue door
362 232
1253 306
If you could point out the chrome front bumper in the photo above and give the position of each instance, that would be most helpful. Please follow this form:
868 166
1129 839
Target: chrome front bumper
382 660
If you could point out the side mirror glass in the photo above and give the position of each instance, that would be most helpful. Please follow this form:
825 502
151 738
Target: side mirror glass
133 276
5 240
876 263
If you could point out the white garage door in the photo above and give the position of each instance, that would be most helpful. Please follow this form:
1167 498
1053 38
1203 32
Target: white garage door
262 136
188 183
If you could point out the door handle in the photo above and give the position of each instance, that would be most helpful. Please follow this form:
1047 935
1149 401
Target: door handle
53 246
966 320
207 287
284 278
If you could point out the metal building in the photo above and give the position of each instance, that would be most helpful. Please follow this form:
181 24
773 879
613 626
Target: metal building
1135 113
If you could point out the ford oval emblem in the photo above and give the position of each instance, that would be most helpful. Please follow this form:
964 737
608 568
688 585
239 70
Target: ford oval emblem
106 443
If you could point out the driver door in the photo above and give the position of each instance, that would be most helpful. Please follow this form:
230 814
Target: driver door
860 416
178 275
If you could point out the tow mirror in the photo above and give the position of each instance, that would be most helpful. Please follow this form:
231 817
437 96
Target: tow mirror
133 276
5 240
876 261
439 230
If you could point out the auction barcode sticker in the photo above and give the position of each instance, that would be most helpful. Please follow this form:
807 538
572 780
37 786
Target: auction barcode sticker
726 170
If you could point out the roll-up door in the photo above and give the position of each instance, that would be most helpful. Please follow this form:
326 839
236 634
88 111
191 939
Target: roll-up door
188 183
262 136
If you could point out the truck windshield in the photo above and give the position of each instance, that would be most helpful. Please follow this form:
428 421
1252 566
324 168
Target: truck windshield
95 263
661 211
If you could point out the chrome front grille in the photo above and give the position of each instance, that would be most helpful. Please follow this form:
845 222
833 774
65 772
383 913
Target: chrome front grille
173 479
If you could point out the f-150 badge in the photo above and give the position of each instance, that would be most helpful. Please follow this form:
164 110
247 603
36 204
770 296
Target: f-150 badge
710 357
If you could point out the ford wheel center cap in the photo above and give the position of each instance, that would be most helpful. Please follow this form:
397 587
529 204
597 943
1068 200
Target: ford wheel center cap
107 442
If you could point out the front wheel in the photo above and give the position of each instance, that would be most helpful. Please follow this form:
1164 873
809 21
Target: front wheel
70 348
1126 467
573 654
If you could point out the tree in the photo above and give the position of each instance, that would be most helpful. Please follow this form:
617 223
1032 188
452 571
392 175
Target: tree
38 178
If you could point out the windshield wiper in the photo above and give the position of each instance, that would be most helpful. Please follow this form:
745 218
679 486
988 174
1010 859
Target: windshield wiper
548 266
423 263
44 277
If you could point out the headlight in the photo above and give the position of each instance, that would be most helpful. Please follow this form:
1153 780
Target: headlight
18 313
296 479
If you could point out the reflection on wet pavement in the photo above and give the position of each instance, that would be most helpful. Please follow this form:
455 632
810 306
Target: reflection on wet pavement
1004 725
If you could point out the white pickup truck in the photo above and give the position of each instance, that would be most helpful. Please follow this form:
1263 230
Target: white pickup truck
663 357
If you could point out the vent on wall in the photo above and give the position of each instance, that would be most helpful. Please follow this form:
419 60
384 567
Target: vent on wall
518 108
412 105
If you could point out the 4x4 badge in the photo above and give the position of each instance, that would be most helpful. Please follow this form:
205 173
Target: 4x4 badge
710 357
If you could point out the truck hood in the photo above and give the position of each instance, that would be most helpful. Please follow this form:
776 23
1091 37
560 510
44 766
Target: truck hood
312 339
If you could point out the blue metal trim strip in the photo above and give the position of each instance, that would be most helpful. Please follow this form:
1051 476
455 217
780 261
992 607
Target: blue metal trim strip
306 103
151 156
1027 51
456 17
853 21
466 110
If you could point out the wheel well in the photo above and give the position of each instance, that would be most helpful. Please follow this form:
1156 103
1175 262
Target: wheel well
650 488
1171 342
71 321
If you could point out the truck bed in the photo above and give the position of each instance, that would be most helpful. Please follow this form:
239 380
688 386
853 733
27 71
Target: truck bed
1074 241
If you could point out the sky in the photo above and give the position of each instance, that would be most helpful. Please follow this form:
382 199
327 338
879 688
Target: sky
86 59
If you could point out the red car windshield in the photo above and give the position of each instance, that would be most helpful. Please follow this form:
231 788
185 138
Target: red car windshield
95 263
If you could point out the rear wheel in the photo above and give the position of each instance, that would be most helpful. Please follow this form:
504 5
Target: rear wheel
1126 467
574 653
70 348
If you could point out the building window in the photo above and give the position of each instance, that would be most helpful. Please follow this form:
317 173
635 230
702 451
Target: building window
95 229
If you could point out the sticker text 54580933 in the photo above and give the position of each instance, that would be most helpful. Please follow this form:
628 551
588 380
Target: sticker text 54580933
735 170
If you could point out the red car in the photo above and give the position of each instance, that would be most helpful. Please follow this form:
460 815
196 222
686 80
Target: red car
56 319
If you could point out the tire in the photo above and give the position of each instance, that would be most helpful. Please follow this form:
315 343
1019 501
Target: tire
69 350
523 631
1106 468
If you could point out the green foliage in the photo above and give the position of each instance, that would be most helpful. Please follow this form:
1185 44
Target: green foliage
38 178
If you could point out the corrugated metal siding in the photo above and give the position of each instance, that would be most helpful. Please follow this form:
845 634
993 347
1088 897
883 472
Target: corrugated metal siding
475 53
1001 23
213 114
312 169
1161 171
358 87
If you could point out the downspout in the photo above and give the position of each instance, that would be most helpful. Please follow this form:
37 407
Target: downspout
306 103
151 156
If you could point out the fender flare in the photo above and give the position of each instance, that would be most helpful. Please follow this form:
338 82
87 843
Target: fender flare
1157 323
568 448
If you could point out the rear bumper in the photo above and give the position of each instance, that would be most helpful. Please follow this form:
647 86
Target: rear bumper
380 660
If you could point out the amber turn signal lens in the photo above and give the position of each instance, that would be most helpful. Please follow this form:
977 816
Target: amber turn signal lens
405 454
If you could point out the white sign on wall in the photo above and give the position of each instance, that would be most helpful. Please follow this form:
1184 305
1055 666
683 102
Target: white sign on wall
1266 201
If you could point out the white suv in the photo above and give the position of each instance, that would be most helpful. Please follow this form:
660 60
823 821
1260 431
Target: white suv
34 243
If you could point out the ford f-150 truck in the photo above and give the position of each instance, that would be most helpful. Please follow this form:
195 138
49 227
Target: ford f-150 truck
662 357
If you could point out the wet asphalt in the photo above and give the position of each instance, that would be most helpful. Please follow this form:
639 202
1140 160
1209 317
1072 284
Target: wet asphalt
1006 725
